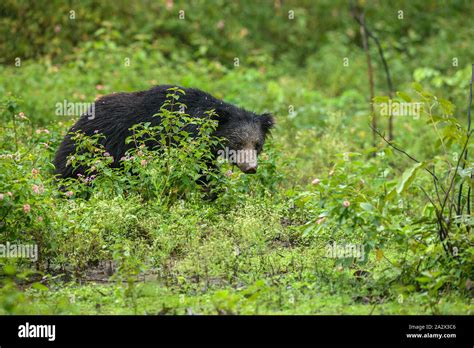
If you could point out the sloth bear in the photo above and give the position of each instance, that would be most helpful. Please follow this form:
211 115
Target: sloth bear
114 114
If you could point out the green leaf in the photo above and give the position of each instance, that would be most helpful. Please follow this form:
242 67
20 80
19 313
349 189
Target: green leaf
404 96
423 279
408 177
302 200
9 270
417 86
39 286
367 206
446 106
308 230
381 99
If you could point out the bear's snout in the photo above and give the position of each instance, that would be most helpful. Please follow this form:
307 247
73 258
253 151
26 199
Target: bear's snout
248 168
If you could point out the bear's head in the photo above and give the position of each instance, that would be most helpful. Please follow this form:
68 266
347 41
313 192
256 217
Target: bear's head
245 133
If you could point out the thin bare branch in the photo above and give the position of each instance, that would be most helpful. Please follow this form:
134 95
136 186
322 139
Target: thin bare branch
389 143
386 69
468 205
358 15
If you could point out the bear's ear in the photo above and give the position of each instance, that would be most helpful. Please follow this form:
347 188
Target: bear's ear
267 121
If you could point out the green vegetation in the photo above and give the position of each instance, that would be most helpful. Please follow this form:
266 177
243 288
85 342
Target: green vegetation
144 240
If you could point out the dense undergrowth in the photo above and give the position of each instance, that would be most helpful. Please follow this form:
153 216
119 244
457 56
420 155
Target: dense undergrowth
143 238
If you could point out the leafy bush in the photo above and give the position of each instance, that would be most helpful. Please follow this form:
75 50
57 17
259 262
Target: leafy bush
145 230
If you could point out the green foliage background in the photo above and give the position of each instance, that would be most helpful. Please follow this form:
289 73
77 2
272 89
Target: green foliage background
133 245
